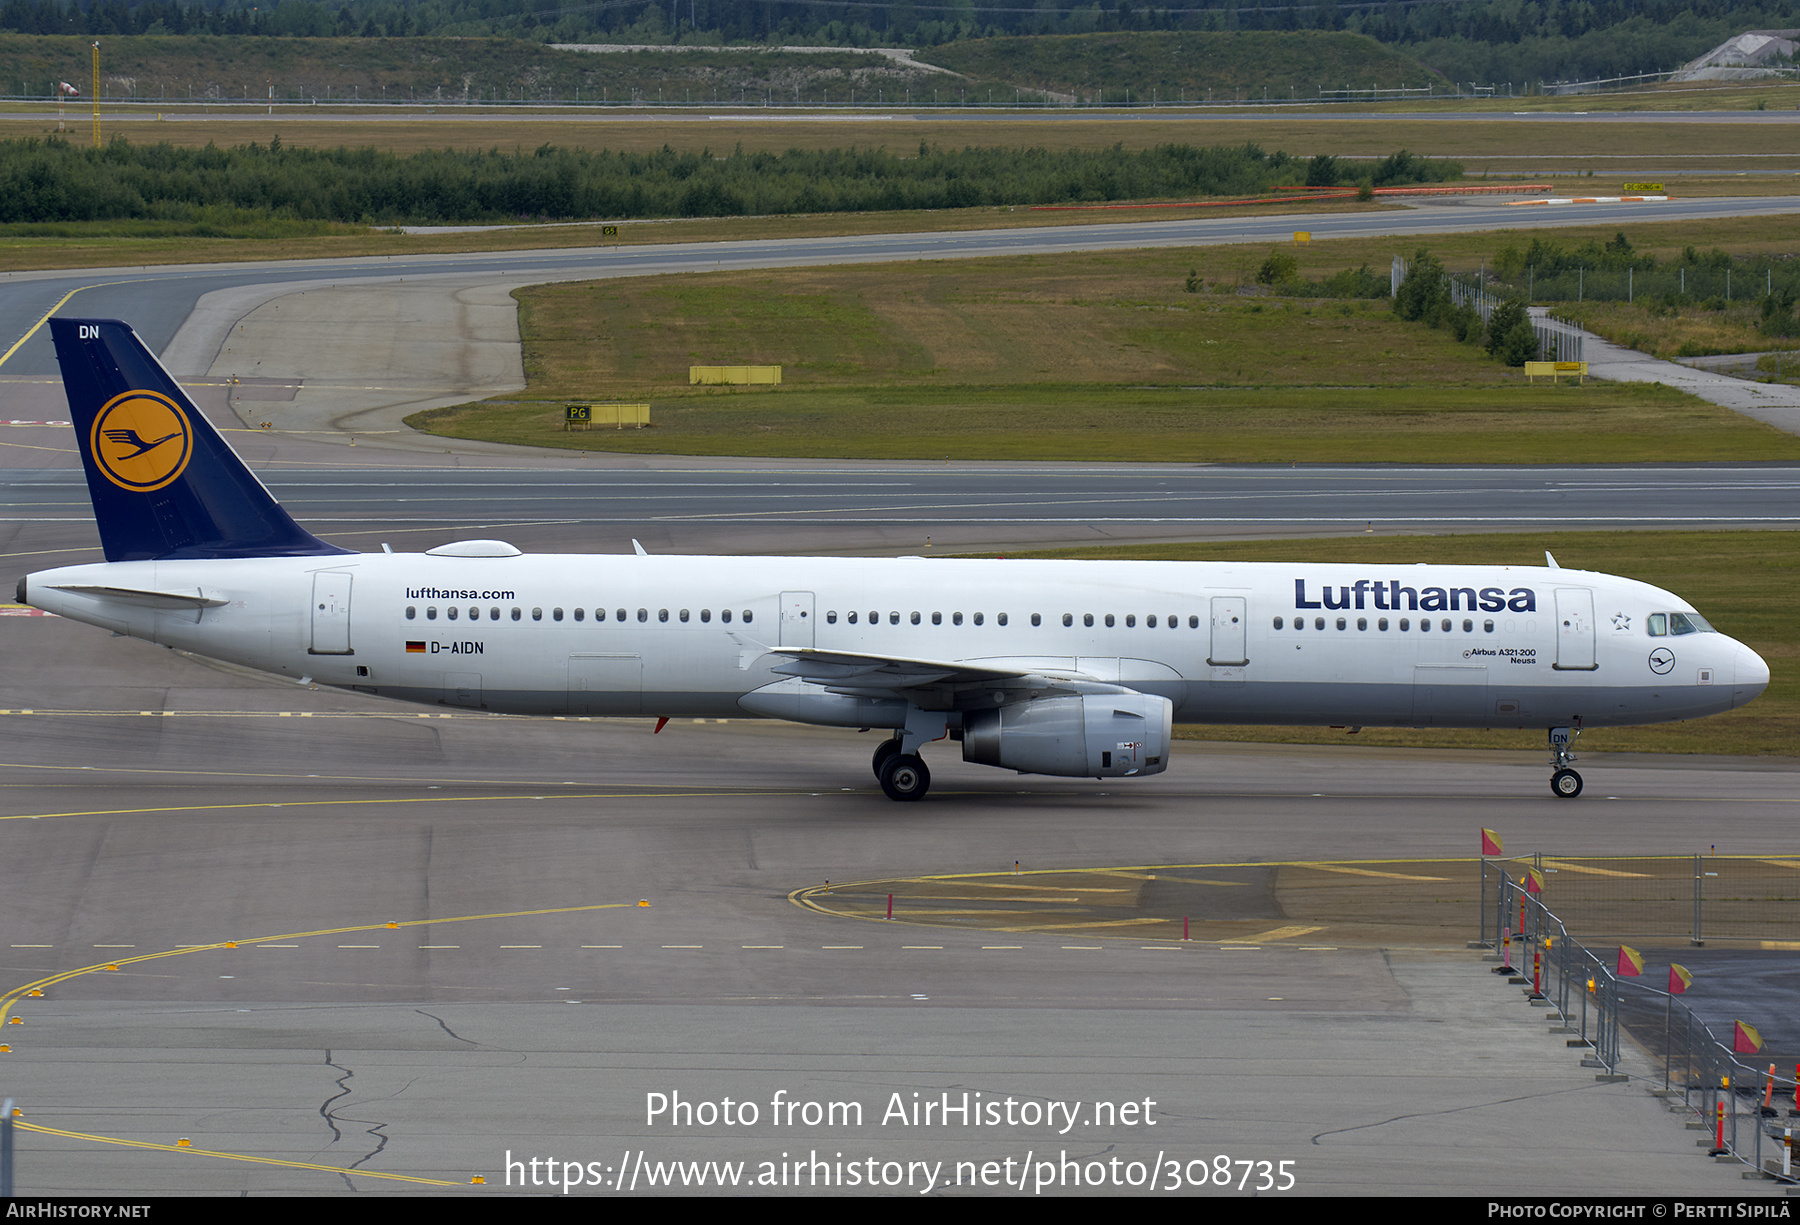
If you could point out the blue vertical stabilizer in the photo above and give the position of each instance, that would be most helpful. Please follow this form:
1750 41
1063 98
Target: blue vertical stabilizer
163 482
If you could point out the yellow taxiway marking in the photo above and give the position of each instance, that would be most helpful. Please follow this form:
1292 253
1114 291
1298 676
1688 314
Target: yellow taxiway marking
423 799
964 897
24 446
12 997
1781 863
205 1152
1279 933
1564 866
40 323
7 1001
1333 867
982 884
1057 927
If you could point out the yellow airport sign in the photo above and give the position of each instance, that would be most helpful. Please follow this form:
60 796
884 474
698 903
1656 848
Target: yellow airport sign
734 374
1556 371
581 416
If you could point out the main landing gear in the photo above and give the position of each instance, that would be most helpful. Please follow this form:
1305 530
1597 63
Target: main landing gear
1565 784
902 776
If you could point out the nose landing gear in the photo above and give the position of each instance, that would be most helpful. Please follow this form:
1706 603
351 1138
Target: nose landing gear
1565 784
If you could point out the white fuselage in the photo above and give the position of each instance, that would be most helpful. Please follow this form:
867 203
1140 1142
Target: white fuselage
1365 644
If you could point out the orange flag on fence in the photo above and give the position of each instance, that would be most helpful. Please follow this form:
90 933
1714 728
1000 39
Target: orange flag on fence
1490 842
1679 979
1746 1041
1631 962
1534 881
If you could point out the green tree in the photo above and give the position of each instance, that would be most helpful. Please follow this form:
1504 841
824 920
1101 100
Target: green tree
1423 296
1278 269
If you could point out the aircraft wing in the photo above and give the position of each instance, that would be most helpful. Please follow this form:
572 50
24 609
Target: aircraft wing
930 684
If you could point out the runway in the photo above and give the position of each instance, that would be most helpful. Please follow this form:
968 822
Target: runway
916 509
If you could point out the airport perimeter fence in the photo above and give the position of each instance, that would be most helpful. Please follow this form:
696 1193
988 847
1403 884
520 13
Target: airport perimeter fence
1718 282
847 95
1558 340
1749 1111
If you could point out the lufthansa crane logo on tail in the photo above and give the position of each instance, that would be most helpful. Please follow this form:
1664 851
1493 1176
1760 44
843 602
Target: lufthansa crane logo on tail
141 441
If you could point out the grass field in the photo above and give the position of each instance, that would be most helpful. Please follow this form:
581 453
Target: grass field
1743 582
1182 65
1669 332
1093 356
1513 143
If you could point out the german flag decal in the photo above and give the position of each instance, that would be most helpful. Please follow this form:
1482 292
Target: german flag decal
415 648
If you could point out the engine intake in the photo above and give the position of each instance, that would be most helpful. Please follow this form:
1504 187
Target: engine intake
1107 735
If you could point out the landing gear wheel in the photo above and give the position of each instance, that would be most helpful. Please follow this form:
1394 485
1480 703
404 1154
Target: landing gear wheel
1565 784
883 751
904 777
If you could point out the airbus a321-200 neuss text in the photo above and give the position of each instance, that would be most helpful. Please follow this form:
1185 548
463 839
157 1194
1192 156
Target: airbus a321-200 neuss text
1075 668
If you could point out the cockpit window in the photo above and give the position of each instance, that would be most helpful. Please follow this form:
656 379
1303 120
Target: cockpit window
1661 624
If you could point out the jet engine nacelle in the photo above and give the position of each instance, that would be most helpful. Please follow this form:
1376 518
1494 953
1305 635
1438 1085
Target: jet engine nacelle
1096 735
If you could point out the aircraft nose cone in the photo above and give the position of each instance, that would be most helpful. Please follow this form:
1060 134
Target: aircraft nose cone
1751 675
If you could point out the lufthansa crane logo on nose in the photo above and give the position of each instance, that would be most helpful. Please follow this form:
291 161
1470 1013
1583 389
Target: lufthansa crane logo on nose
1661 660
141 441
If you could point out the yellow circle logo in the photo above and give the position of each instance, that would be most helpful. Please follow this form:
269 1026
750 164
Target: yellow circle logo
141 441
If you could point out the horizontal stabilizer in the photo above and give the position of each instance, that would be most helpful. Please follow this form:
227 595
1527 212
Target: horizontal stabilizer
151 599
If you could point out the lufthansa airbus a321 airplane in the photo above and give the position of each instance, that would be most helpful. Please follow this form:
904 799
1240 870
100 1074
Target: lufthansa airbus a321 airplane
1075 668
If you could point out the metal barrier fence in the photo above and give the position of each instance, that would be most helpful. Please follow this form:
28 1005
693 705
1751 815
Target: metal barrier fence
1590 999
1557 340
1535 944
